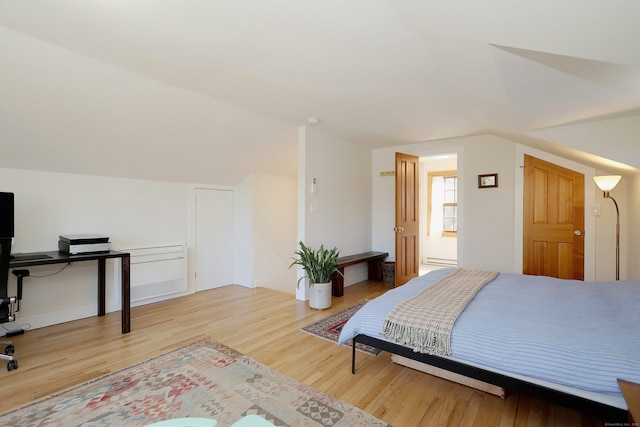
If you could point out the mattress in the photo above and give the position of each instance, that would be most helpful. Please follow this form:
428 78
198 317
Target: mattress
576 336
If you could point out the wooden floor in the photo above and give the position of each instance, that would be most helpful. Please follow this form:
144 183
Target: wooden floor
263 324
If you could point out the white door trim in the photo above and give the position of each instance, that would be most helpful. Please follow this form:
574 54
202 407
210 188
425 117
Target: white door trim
191 225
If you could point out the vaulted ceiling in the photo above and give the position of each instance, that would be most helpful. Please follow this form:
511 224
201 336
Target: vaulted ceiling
207 91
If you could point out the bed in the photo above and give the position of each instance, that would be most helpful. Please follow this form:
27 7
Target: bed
563 341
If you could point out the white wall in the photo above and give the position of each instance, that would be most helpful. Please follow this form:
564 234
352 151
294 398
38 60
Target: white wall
605 235
489 212
485 215
633 224
490 224
243 258
133 213
343 197
274 231
383 197
265 232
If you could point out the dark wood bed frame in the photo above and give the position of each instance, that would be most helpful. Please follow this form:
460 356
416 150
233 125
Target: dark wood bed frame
600 410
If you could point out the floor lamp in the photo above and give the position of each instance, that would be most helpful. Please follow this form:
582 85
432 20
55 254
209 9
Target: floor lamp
606 183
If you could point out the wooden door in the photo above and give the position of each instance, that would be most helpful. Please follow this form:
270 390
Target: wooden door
406 229
553 220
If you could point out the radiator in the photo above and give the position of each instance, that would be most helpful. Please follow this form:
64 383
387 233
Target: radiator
157 272
441 261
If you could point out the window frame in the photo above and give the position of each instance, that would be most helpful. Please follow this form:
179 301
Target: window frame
430 176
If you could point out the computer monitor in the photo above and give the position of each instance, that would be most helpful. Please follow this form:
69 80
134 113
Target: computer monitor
6 215
6 235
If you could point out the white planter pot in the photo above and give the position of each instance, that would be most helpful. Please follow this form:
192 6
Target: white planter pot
320 295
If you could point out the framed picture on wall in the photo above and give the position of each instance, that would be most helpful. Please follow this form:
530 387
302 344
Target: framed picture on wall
488 181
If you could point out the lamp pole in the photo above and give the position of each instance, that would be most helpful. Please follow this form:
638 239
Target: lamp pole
606 183
608 196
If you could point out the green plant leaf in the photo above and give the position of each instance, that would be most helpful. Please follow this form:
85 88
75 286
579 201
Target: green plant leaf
319 265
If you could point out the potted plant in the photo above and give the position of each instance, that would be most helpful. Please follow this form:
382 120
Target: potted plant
318 265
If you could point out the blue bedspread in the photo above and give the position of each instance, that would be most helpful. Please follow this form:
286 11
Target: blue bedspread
578 334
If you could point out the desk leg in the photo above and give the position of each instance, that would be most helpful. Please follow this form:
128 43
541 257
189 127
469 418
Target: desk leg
126 294
375 270
101 287
337 283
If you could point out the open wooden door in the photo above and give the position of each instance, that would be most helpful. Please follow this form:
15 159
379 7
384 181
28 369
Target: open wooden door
553 220
406 229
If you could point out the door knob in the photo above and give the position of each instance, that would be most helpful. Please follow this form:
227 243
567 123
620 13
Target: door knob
577 232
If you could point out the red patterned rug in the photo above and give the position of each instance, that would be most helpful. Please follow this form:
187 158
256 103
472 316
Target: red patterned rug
330 327
205 379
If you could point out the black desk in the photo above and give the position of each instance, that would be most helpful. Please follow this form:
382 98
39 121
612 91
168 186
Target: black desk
30 259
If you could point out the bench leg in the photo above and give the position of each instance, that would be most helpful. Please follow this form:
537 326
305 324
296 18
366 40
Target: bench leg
337 283
375 270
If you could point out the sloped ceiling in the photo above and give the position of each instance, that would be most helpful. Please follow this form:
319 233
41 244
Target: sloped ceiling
208 91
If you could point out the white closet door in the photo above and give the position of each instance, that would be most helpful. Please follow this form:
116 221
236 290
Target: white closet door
214 238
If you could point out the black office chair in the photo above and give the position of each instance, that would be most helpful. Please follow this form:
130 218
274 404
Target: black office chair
11 362
7 303
6 315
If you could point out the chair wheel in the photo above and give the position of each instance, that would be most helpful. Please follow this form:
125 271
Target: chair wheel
11 365
9 349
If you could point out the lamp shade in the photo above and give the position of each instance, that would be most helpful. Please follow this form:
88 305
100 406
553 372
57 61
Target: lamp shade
607 182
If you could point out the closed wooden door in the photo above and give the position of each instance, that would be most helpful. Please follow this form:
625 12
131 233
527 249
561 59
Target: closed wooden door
406 229
553 220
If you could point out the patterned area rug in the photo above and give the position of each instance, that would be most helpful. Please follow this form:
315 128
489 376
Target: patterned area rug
205 379
329 329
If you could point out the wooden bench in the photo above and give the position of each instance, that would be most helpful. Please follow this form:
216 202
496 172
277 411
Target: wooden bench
374 259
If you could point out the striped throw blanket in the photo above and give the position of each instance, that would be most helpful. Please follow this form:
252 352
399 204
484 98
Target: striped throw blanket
425 321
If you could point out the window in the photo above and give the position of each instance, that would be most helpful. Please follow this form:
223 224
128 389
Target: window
450 205
442 212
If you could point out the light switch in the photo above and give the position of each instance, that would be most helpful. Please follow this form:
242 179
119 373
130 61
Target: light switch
595 210
314 207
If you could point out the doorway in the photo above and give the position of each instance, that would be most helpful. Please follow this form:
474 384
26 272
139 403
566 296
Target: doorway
439 219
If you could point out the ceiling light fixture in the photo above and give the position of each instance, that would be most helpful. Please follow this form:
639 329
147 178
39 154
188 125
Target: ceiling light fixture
312 121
